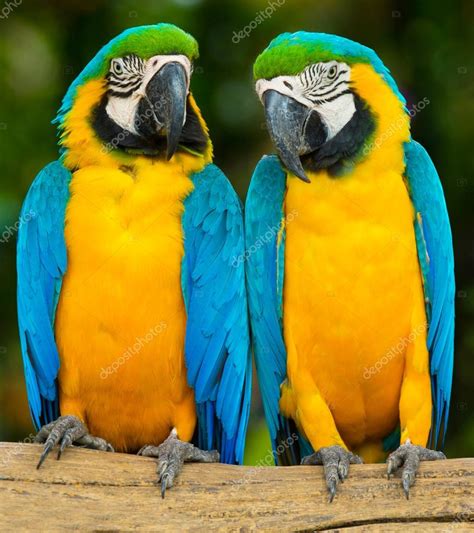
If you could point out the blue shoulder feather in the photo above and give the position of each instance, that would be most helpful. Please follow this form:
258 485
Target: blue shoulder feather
217 347
435 252
41 264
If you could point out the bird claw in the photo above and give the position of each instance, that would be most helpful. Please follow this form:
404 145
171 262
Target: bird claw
171 455
336 461
164 484
408 457
47 448
66 431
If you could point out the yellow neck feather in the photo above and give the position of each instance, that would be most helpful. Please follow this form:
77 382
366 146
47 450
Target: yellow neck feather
385 148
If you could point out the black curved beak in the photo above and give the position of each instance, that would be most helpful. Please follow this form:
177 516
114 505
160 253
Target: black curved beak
287 122
167 93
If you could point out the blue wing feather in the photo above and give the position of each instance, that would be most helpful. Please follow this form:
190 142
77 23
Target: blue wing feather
217 347
435 252
265 251
41 264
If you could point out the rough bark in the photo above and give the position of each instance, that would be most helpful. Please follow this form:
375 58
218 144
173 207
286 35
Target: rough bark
91 490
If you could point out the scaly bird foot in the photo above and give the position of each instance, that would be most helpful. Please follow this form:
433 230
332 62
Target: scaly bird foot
66 431
172 454
336 461
409 456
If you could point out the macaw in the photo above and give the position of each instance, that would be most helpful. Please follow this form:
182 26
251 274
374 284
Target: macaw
349 265
132 316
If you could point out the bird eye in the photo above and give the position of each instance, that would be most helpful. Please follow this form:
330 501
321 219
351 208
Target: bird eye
332 72
117 67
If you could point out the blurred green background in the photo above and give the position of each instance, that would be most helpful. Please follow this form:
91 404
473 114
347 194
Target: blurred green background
428 45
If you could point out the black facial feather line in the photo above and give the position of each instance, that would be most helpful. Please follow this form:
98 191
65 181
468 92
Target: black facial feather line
125 75
319 87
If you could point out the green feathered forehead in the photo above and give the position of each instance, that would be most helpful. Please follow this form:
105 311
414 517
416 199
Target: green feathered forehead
291 53
148 41
145 42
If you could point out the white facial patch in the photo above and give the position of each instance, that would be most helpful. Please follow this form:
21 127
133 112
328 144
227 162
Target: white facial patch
323 87
128 78
123 111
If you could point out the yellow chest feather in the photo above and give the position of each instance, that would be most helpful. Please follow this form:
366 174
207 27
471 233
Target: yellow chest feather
121 319
351 276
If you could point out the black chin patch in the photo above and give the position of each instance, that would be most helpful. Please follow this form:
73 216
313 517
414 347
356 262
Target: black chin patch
315 131
341 149
149 142
193 135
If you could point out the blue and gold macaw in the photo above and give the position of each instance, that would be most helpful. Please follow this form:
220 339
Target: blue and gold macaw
350 264
132 317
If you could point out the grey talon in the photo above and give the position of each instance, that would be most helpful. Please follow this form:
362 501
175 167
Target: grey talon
171 455
164 484
336 461
66 431
408 457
